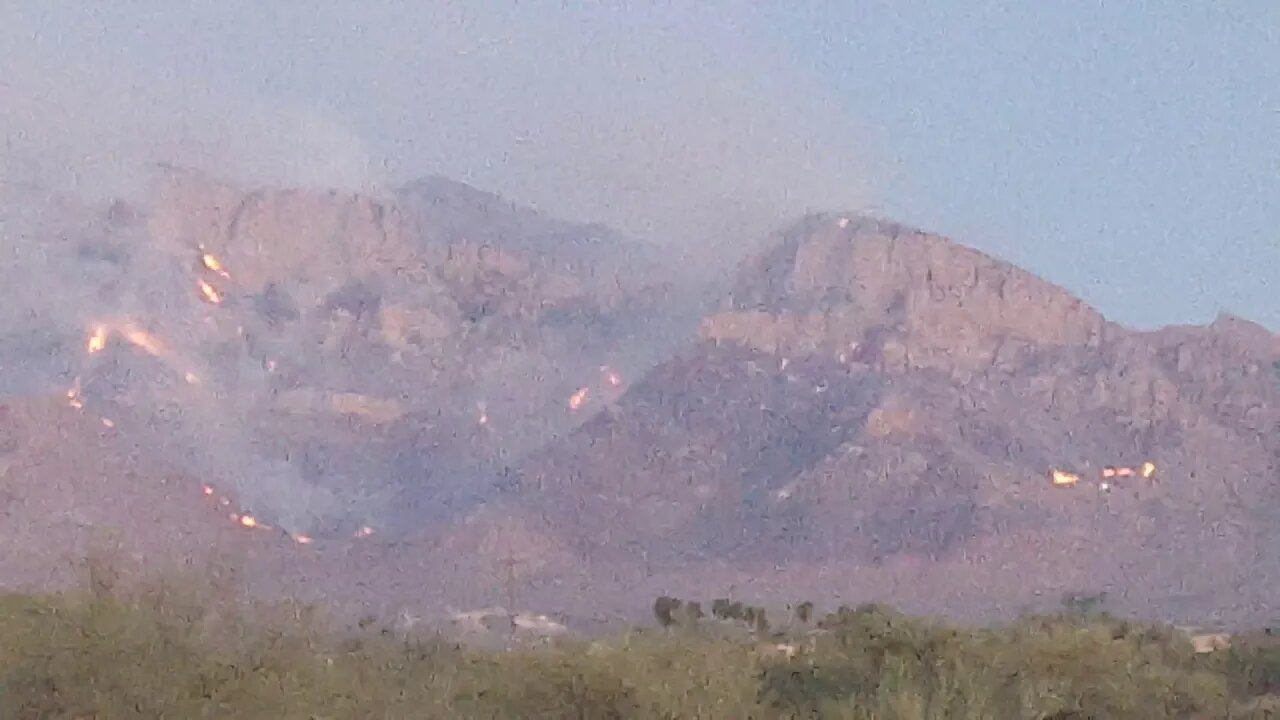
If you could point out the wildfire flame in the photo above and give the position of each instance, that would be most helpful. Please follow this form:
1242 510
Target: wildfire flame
302 539
364 532
612 378
73 394
209 293
1062 478
1146 470
212 263
1110 473
143 339
97 340
577 399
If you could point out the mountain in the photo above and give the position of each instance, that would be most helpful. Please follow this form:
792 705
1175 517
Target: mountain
876 411
353 371
462 402
381 354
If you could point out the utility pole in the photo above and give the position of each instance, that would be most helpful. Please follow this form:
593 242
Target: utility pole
510 564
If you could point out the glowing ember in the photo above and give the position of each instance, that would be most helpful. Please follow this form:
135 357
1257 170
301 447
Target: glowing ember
364 532
214 264
1148 470
191 379
302 539
248 521
206 489
1064 479
97 340
209 293
143 339
73 395
1108 472
577 399
108 422
612 378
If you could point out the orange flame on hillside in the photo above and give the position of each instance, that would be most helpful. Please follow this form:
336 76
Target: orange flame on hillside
214 264
209 292
612 377
73 394
577 399
143 339
1062 478
97 340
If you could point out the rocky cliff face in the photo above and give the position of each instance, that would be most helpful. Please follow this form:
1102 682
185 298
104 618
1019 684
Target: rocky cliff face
392 351
914 300
875 395
872 413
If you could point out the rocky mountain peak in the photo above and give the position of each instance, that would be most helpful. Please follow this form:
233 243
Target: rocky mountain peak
845 283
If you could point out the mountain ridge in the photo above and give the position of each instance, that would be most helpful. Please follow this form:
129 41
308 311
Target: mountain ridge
870 411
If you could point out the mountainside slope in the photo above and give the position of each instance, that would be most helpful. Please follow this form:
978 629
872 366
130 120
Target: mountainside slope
873 412
889 404
341 359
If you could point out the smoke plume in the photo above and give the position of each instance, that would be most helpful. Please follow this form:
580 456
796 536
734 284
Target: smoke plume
683 125
680 123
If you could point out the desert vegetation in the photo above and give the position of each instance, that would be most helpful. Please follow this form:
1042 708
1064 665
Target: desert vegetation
172 649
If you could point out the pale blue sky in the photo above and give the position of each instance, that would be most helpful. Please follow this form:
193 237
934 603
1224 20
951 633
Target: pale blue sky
1127 150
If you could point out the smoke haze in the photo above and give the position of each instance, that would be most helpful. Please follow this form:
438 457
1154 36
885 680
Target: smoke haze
670 122
678 125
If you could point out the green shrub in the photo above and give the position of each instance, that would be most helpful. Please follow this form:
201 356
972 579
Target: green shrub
168 650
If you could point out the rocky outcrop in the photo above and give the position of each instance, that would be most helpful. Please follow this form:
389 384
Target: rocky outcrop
447 326
872 410
890 398
839 283
314 242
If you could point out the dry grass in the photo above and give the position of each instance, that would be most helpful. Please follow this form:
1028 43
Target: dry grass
186 648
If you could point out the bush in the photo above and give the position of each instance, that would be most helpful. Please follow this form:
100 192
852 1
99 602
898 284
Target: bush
166 651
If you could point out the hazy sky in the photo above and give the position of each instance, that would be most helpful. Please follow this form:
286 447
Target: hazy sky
1127 150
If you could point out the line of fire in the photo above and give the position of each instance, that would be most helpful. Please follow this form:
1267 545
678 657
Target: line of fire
1108 476
211 272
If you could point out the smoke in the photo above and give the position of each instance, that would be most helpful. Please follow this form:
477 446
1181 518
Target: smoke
682 124
678 122
94 129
